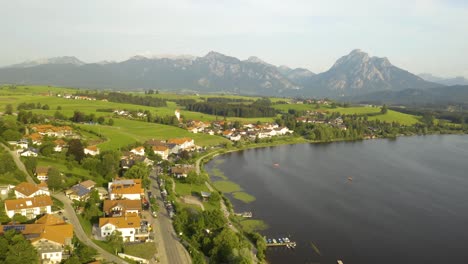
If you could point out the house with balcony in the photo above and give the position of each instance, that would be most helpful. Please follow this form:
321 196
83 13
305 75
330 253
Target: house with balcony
130 189
29 207
28 190
49 235
118 208
131 228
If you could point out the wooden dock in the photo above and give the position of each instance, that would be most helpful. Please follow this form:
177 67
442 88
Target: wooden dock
280 242
245 214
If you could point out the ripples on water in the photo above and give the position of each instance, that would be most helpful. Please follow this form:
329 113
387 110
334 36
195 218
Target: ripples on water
407 201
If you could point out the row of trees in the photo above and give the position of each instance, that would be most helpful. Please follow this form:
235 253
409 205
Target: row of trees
127 98
207 232
232 110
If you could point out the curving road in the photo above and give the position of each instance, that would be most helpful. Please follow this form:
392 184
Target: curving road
68 212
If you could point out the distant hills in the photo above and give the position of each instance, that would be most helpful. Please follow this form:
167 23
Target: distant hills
352 75
459 80
447 95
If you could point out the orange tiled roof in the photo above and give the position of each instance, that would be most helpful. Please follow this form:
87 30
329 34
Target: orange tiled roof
26 188
139 149
92 148
41 170
35 136
50 227
121 222
179 141
134 188
160 148
37 201
87 183
60 142
125 204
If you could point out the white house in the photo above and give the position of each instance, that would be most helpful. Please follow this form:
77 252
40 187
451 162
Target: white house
130 189
235 137
129 226
182 143
42 173
91 150
30 152
140 151
163 151
28 190
29 207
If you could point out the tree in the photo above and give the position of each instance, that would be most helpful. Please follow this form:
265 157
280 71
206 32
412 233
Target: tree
76 149
101 120
384 109
47 148
15 249
8 109
30 163
110 122
54 179
11 135
115 241
45 107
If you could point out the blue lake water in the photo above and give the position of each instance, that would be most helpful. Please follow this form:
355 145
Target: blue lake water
407 201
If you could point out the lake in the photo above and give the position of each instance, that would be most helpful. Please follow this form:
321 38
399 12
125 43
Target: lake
407 201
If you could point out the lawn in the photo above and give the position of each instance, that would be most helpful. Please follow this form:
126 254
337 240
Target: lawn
125 132
78 173
190 189
141 250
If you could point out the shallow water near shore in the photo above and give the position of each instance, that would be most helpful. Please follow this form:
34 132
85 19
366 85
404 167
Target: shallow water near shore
375 201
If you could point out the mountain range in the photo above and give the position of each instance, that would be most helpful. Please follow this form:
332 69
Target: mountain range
459 80
354 74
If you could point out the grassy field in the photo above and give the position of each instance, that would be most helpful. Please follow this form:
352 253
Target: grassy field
390 116
35 94
78 173
125 132
142 250
190 189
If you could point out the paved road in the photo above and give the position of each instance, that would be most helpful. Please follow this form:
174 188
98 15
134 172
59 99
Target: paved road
18 162
79 232
69 213
171 250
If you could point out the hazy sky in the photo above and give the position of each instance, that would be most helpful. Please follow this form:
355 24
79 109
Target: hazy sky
417 35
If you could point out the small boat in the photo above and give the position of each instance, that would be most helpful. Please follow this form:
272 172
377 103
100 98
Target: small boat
276 164
280 240
350 179
274 241
286 240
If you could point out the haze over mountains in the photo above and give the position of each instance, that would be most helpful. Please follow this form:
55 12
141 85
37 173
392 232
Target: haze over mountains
352 75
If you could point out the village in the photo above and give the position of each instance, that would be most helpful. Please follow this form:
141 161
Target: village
124 204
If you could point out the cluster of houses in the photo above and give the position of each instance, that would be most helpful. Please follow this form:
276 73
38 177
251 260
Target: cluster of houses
126 113
26 146
76 97
247 131
50 234
163 148
123 210
318 117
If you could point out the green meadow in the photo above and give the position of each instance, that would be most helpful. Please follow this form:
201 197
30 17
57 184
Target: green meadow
125 132
390 116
